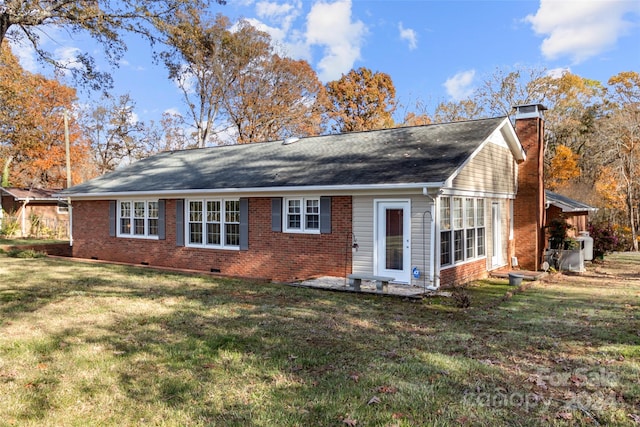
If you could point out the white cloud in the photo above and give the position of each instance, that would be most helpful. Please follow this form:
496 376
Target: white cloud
556 73
267 9
329 25
26 55
66 56
460 86
173 111
581 30
409 35
133 118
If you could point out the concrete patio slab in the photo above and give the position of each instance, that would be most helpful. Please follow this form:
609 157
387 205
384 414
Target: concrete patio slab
341 284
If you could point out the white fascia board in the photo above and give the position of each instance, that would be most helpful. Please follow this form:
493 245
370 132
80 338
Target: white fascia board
509 134
476 193
513 143
262 192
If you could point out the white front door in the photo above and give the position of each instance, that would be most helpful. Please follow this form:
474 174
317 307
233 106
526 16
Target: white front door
393 240
496 227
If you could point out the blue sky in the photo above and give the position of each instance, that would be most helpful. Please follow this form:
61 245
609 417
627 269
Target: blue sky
433 50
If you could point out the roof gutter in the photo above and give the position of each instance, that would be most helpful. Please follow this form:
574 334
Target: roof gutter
255 190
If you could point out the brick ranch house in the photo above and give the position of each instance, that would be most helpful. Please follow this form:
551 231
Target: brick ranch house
428 205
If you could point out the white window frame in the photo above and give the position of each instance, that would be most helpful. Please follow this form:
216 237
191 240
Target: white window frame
224 217
304 214
132 218
462 219
62 208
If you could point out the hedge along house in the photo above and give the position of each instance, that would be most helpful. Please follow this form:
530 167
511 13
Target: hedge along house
428 205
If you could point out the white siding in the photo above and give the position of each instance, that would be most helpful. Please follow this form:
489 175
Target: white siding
421 237
363 233
492 170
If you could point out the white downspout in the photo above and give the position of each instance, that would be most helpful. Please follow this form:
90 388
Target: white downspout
434 278
70 221
24 217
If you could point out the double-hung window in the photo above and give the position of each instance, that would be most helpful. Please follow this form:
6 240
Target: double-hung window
458 230
302 215
462 229
138 218
480 228
213 223
445 231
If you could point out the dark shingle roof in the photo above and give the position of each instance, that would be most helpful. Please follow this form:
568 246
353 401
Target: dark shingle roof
421 154
566 204
42 194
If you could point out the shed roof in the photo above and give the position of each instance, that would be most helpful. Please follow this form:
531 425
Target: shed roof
420 154
567 204
35 194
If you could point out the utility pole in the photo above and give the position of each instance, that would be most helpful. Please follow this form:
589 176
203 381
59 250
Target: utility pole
66 147
68 155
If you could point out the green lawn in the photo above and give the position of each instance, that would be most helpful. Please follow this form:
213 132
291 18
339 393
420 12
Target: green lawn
93 344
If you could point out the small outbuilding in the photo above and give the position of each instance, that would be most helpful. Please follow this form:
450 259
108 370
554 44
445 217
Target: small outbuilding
35 212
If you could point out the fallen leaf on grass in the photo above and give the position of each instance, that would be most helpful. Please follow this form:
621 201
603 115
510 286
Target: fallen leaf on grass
462 420
576 380
387 389
539 382
564 415
374 400
355 376
635 418
350 422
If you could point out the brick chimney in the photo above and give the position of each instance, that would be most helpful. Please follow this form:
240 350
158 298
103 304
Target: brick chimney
528 207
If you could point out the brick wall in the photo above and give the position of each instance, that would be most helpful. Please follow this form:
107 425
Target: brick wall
463 273
271 255
529 203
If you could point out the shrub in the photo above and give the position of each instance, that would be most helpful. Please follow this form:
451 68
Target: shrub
25 253
605 239
461 298
10 225
558 229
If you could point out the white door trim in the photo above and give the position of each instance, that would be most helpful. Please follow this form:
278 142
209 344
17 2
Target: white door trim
496 235
379 245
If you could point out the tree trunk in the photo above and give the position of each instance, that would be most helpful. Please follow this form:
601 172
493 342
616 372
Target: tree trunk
4 26
5 171
632 222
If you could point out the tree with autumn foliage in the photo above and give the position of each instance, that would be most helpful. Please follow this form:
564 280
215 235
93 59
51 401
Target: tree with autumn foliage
27 21
32 142
361 100
619 132
563 168
234 83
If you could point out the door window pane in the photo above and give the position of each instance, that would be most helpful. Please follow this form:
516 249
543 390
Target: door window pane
394 238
